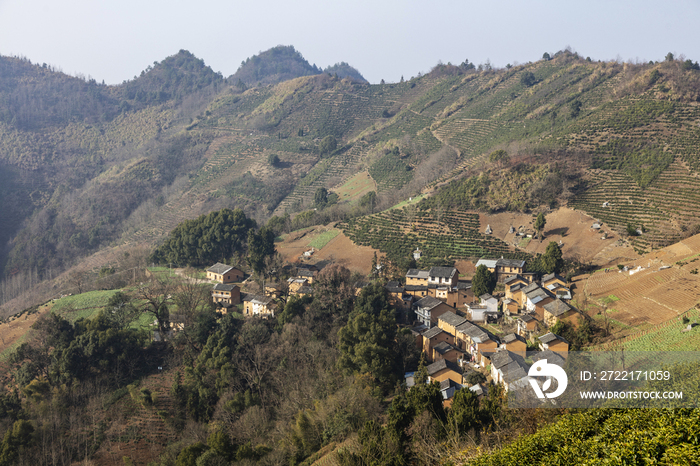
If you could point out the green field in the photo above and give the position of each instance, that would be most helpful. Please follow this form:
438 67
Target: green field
324 238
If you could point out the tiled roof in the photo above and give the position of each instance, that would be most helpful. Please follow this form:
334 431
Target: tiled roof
557 307
510 263
433 332
452 319
442 272
550 337
219 268
443 364
428 302
415 273
224 287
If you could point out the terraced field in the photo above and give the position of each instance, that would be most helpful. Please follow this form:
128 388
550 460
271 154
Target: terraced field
398 232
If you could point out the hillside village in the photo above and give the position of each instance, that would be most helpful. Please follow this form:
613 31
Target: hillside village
464 338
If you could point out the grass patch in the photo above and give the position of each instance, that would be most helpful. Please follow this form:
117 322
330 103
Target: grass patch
324 238
609 299
11 349
414 200
524 242
356 187
85 305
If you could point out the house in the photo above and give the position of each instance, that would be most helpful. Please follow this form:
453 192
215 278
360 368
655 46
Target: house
448 388
509 369
417 332
443 276
444 350
554 343
503 268
434 336
514 283
442 370
473 339
535 298
449 322
481 312
514 343
428 310
417 277
255 305
417 291
306 274
226 293
558 310
295 283
556 285
510 306
490 302
223 273
526 325
417 253
489 263
508 267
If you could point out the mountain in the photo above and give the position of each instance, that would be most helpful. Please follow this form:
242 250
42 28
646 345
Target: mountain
124 164
343 70
273 66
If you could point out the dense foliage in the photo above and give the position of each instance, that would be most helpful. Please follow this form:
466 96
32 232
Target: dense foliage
211 238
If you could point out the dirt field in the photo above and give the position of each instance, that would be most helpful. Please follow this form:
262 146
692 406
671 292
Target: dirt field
339 250
571 227
356 187
665 285
11 332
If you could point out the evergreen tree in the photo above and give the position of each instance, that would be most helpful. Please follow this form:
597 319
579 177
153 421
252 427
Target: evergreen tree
483 281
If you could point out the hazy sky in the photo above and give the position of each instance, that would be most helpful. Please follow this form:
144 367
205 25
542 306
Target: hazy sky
113 40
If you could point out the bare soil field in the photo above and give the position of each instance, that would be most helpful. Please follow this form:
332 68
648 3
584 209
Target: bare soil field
570 227
666 285
339 250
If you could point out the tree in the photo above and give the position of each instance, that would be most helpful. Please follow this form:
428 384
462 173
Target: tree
261 244
575 108
157 296
499 156
669 56
321 197
540 223
120 311
483 281
367 343
528 79
273 159
545 56
369 200
552 258
327 145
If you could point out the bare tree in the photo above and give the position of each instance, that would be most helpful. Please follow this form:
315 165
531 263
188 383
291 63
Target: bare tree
158 294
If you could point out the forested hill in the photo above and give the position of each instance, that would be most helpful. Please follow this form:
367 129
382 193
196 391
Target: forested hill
88 165
273 66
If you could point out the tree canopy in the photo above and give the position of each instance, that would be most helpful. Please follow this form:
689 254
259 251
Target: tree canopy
483 281
208 239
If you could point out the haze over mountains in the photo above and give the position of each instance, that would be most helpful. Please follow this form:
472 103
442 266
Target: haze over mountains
85 165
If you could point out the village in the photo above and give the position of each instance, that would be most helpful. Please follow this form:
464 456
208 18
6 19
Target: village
467 341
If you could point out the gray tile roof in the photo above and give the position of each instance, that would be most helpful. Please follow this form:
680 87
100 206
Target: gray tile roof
415 273
452 319
443 347
433 332
510 263
550 338
442 364
552 276
475 333
442 272
224 287
557 307
219 268
428 302
416 287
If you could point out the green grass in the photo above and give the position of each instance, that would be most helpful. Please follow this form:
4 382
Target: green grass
82 305
402 204
324 238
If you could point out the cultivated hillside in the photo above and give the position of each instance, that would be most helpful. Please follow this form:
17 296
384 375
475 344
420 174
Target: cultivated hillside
124 164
